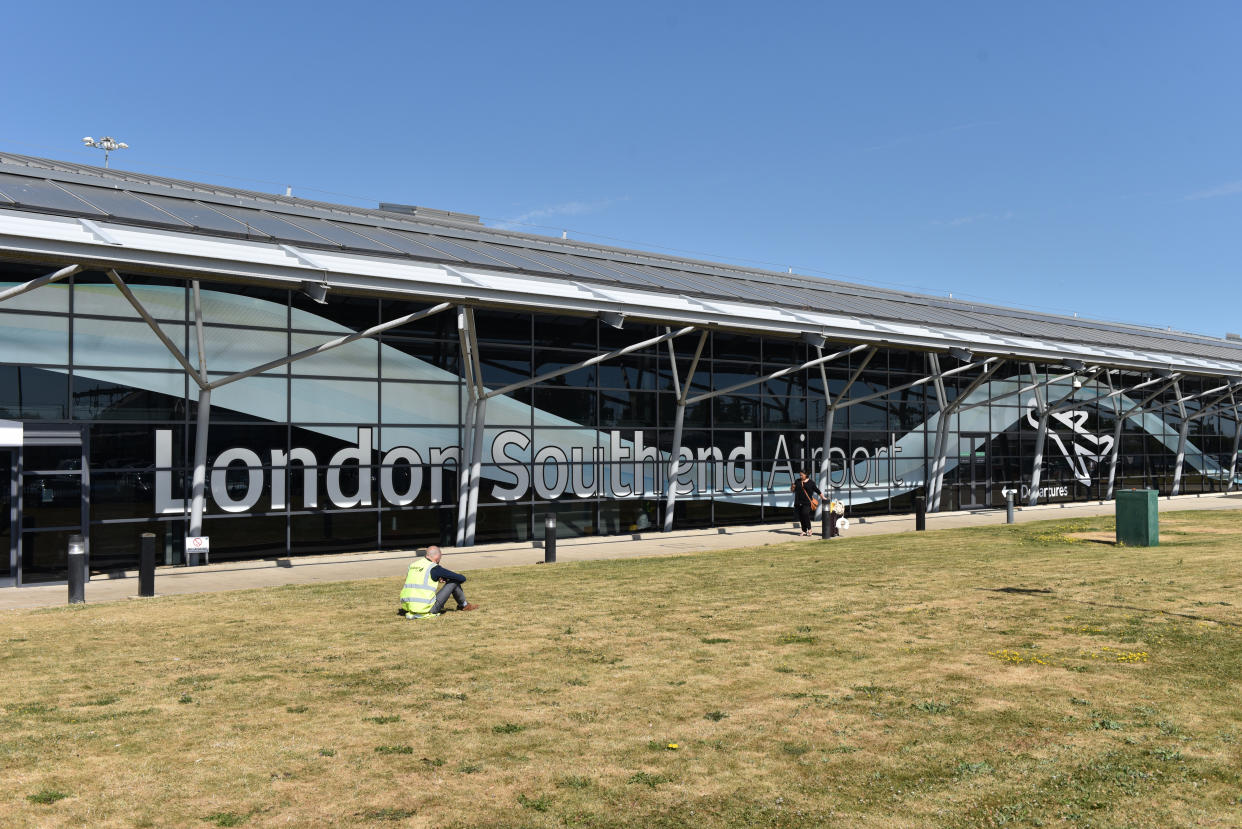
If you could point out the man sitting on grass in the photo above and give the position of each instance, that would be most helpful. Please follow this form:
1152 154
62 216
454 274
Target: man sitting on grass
428 587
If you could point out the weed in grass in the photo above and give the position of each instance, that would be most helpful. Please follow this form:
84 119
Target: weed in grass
1078 701
226 818
460 697
327 752
930 706
297 709
394 749
715 716
185 699
31 708
796 639
389 813
1167 754
576 681
584 716
45 796
714 640
433 762
646 779
469 768
508 728
783 669
1108 725
795 749
104 700
383 720
965 769
573 782
538 804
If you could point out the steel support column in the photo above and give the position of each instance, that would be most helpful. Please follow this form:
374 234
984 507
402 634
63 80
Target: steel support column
465 463
947 413
830 413
1183 431
1112 467
1237 440
682 390
1041 435
940 449
18 290
198 483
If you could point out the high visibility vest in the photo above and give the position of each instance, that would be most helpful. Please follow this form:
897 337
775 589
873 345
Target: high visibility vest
419 593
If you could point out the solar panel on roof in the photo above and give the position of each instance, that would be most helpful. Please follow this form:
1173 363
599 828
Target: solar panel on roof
463 253
119 204
199 215
558 263
503 254
406 243
33 192
640 277
338 233
271 225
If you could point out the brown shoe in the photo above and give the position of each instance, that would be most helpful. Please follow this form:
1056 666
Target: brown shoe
469 606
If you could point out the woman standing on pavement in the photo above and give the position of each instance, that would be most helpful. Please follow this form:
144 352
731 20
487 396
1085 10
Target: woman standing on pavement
806 499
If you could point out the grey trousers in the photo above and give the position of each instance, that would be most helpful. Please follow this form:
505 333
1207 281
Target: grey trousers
453 589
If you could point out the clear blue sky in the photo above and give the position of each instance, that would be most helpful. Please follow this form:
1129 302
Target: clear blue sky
1065 156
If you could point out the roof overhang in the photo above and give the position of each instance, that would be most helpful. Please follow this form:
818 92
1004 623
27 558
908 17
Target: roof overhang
58 239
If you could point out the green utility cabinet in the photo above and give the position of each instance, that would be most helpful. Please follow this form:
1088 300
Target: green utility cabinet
1138 518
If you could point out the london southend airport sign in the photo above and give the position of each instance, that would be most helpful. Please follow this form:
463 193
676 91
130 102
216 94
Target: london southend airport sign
621 472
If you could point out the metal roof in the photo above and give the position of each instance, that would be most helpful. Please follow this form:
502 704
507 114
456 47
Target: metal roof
120 199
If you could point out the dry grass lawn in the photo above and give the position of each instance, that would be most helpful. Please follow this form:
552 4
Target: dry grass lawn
1007 676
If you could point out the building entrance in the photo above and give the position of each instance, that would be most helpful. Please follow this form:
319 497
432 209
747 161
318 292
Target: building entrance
976 488
51 494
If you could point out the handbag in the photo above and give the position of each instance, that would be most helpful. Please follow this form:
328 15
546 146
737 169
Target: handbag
814 501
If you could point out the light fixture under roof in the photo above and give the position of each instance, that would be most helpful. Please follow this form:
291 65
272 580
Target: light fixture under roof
316 291
813 339
1074 365
613 318
963 354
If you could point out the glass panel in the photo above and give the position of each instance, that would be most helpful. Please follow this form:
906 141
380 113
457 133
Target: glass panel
163 302
6 503
121 205
198 215
240 349
25 338
357 359
125 344
128 395
32 394
461 252
335 401
51 458
52 298
52 500
39 193
45 556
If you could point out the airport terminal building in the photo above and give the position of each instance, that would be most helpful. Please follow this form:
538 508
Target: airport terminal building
288 377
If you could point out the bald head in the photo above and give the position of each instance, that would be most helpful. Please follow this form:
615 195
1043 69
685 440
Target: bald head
433 554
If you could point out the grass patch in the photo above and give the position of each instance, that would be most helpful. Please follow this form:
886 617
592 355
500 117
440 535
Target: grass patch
45 796
994 676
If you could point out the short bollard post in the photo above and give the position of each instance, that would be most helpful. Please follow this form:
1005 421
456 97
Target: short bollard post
549 539
825 523
77 570
146 566
1009 506
920 513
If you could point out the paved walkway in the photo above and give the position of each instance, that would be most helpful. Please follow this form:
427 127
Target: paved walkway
389 564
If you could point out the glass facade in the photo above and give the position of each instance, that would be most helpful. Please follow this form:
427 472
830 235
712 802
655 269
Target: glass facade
358 448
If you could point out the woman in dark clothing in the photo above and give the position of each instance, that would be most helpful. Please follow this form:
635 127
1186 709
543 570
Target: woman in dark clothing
804 490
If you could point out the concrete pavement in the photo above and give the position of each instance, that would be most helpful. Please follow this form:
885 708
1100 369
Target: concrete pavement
392 564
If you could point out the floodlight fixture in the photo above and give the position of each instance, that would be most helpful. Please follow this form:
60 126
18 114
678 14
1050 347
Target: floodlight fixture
614 318
1074 365
813 339
316 291
1163 373
962 354
108 144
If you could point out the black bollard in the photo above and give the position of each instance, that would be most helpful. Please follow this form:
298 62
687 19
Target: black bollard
146 566
77 570
549 539
825 523
1009 506
920 513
